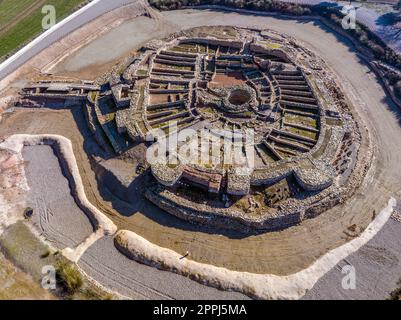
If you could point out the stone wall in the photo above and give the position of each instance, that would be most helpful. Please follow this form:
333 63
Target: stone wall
220 218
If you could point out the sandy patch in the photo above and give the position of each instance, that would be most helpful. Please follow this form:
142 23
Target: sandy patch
227 80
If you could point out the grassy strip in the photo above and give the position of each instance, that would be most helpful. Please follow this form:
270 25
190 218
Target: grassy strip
69 277
30 26
10 9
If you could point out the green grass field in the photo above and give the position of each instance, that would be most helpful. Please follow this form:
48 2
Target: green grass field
21 20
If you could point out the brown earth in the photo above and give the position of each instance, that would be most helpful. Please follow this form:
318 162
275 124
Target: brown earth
227 80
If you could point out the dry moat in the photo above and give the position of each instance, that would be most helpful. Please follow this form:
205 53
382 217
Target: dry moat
296 142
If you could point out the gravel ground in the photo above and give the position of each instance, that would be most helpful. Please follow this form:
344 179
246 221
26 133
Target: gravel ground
56 215
377 269
138 31
103 262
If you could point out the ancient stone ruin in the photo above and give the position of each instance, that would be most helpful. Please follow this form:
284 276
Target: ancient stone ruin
292 141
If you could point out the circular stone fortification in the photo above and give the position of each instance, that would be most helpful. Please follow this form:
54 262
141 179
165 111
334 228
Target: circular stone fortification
275 101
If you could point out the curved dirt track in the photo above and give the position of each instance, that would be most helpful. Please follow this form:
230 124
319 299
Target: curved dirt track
282 252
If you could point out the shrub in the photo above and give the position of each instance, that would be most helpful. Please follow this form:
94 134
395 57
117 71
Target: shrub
45 254
396 294
392 77
267 5
69 276
28 212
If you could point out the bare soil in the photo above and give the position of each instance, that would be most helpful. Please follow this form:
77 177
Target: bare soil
227 80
